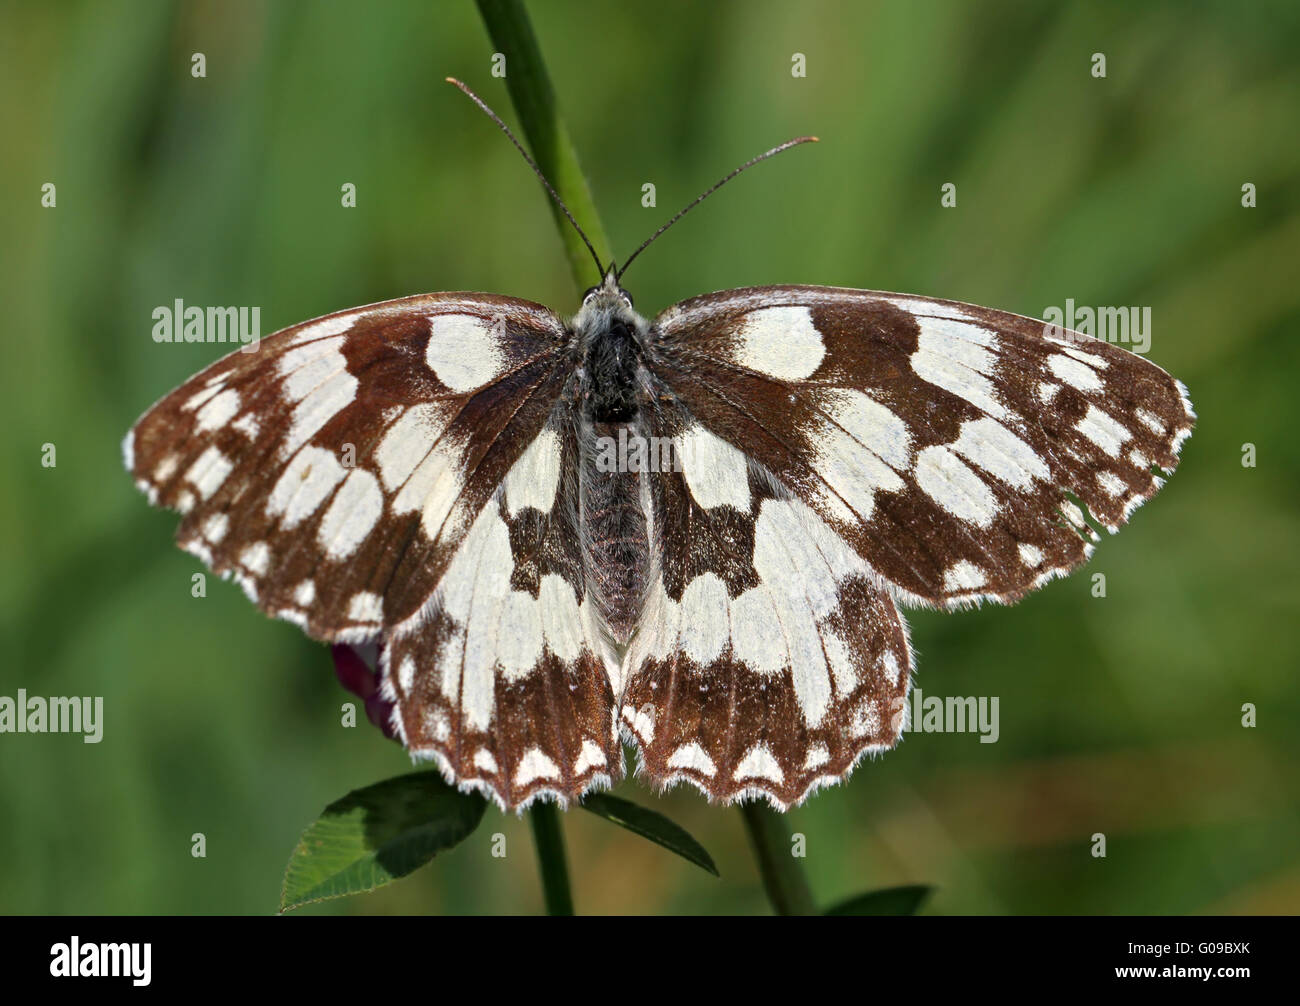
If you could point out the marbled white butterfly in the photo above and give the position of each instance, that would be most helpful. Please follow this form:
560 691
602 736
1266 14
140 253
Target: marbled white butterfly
721 588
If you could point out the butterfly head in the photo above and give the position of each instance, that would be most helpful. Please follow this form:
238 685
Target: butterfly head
607 308
609 291
611 337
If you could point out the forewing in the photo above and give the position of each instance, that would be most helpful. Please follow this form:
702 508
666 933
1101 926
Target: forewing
767 660
950 445
335 470
504 682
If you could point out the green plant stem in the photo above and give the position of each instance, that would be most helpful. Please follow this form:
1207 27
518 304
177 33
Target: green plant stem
783 878
549 839
533 96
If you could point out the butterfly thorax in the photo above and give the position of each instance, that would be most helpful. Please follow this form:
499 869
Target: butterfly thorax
615 538
610 336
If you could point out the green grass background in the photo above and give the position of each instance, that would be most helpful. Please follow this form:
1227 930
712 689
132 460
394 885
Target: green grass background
1119 715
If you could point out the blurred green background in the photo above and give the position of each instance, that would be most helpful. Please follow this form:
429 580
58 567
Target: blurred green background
1119 715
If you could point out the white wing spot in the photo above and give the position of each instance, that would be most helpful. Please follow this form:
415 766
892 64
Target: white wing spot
756 637
780 341
217 412
1031 555
591 756
759 763
317 409
1074 515
463 351
955 328
840 660
356 509
533 479
706 627
366 606
991 446
306 481
1111 484
1074 373
692 757
889 664
208 472
817 757
321 329
435 487
561 619
851 470
716 472
198 398
1102 430
1093 360
304 594
484 761
958 358
641 722
256 558
519 645
922 307
215 527
963 575
306 368
947 480
248 425
166 468
1152 422
866 719
437 725
877 427
535 765
406 443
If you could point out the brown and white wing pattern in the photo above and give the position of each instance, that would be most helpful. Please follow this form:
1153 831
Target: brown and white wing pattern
405 473
335 471
502 680
954 448
768 659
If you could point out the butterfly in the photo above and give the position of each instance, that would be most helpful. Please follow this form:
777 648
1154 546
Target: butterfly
691 533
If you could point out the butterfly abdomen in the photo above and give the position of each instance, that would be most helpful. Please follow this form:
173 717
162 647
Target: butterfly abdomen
615 540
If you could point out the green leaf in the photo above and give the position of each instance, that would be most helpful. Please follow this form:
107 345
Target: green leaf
649 824
375 835
905 900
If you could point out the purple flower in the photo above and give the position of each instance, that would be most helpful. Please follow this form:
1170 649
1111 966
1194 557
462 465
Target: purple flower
355 667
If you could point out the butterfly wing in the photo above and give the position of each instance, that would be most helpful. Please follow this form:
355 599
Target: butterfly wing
334 472
402 472
951 446
839 450
505 684
768 658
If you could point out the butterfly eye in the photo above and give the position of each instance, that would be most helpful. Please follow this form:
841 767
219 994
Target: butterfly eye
590 292
627 297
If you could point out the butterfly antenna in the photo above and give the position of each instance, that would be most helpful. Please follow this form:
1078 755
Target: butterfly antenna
532 164
712 189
